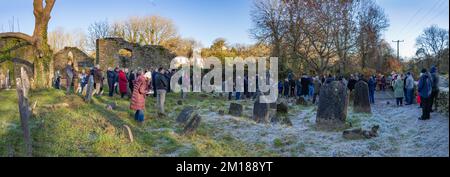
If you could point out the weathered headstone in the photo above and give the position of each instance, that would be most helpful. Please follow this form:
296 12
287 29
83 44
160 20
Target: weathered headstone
22 87
359 133
282 108
235 109
111 106
301 101
361 102
2 80
261 112
129 133
89 89
185 115
189 119
8 82
333 103
192 125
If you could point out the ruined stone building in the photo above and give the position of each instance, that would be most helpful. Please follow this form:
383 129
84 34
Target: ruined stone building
14 54
112 52
78 57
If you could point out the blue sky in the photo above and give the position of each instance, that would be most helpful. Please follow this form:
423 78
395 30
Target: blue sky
206 20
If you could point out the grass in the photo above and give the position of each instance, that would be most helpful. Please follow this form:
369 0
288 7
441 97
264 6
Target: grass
88 130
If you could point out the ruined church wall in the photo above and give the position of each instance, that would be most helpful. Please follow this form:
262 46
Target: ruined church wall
142 57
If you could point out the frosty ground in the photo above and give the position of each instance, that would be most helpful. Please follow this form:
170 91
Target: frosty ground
92 130
401 133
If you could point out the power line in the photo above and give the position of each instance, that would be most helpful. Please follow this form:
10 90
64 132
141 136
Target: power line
429 19
409 21
437 4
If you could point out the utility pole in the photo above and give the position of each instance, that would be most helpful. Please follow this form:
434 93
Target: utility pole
398 48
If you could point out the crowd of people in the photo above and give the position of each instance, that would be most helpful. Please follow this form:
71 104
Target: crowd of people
139 84
135 84
403 86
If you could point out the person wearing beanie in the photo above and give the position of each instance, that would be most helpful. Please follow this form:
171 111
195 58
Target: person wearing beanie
435 88
425 89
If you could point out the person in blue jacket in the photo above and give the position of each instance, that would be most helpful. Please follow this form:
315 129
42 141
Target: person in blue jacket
425 89
372 86
280 87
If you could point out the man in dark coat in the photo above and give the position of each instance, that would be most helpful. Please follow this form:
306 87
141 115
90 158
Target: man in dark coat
435 88
161 86
110 75
351 83
425 90
305 81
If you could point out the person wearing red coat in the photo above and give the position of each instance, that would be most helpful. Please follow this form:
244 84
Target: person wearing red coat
138 96
123 83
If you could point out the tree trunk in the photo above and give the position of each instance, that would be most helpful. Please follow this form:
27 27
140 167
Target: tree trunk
43 62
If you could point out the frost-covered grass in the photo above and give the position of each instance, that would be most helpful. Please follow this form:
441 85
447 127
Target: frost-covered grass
92 130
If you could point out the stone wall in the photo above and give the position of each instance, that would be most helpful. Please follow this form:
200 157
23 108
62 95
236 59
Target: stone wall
23 55
442 101
141 56
78 57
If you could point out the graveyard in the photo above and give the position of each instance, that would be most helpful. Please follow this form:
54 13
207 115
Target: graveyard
65 126
342 90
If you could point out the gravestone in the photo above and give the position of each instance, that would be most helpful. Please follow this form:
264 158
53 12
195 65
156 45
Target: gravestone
7 80
192 125
301 101
235 109
23 87
359 133
2 80
361 102
185 115
261 112
282 108
189 119
129 133
89 89
333 103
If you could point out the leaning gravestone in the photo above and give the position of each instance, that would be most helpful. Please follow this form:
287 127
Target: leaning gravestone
23 87
189 119
261 112
333 103
361 102
89 89
235 109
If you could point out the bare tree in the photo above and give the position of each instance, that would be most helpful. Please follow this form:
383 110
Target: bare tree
60 38
157 30
432 43
269 25
98 30
148 30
